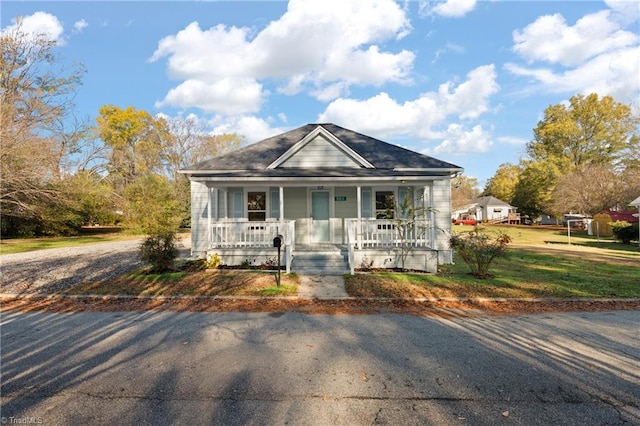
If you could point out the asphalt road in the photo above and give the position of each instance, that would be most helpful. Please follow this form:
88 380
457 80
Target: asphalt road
289 368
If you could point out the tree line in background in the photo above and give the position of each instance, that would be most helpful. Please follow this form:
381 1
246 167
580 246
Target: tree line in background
584 158
60 172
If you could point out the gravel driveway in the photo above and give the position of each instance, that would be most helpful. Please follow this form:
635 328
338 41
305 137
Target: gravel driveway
51 270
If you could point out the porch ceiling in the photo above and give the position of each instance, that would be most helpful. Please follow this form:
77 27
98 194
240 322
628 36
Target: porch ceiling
328 175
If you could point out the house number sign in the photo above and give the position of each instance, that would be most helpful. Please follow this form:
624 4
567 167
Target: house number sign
341 198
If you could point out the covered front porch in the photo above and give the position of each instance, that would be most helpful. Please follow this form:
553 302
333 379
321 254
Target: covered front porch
369 243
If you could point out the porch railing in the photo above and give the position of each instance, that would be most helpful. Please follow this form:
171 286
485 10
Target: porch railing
385 233
254 234
374 233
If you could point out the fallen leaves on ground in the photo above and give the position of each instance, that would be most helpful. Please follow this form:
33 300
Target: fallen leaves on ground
440 309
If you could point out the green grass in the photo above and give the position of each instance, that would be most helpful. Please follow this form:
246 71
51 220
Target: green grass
283 290
523 274
22 245
532 235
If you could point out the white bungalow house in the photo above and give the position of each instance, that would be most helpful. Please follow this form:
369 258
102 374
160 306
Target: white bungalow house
327 190
489 209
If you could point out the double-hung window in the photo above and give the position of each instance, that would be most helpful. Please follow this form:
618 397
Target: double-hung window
257 206
385 203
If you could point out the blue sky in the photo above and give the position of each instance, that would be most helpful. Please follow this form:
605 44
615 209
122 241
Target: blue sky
464 81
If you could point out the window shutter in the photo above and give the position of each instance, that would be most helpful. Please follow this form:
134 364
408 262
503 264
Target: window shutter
237 205
365 201
274 211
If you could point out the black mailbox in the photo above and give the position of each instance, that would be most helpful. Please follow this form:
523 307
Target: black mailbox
278 241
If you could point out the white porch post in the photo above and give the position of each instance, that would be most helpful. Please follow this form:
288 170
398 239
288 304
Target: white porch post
209 217
281 201
358 223
432 218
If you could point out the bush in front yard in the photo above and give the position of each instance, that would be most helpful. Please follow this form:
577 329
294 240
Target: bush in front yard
159 250
479 248
624 231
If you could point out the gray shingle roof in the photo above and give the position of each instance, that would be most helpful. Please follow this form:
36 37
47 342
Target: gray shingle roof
253 160
489 200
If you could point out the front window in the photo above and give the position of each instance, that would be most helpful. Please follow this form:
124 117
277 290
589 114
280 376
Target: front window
257 206
385 203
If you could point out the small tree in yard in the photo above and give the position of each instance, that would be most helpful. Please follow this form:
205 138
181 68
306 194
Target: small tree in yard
478 249
160 251
406 221
152 208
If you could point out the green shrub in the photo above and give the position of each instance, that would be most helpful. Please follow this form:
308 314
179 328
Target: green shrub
624 231
479 248
159 250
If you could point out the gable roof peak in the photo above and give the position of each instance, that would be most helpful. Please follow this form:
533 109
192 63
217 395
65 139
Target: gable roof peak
332 139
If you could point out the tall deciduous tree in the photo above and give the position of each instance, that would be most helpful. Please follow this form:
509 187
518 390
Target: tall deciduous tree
532 193
587 135
136 141
36 106
589 190
589 130
190 144
503 183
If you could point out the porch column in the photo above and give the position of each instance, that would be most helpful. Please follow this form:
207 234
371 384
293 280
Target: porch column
358 223
281 201
432 218
209 216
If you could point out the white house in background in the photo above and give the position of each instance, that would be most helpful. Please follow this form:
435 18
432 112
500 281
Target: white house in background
326 190
489 209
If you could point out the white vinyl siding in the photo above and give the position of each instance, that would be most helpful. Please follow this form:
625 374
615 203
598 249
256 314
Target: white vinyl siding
348 207
199 218
441 202
295 203
319 152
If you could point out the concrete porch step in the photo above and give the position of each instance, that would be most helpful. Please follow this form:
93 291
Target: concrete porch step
325 260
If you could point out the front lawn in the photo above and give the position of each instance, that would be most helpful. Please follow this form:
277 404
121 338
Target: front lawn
193 283
524 274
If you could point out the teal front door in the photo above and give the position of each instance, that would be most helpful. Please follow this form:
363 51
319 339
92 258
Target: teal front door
320 209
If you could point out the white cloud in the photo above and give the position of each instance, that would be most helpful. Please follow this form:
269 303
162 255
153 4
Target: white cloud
227 96
382 116
252 128
312 47
614 73
512 140
40 24
596 55
459 141
448 8
550 39
624 11
80 25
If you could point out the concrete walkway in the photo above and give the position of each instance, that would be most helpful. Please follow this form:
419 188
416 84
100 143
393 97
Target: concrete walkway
322 287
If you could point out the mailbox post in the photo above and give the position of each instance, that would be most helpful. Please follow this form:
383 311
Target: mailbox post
278 242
